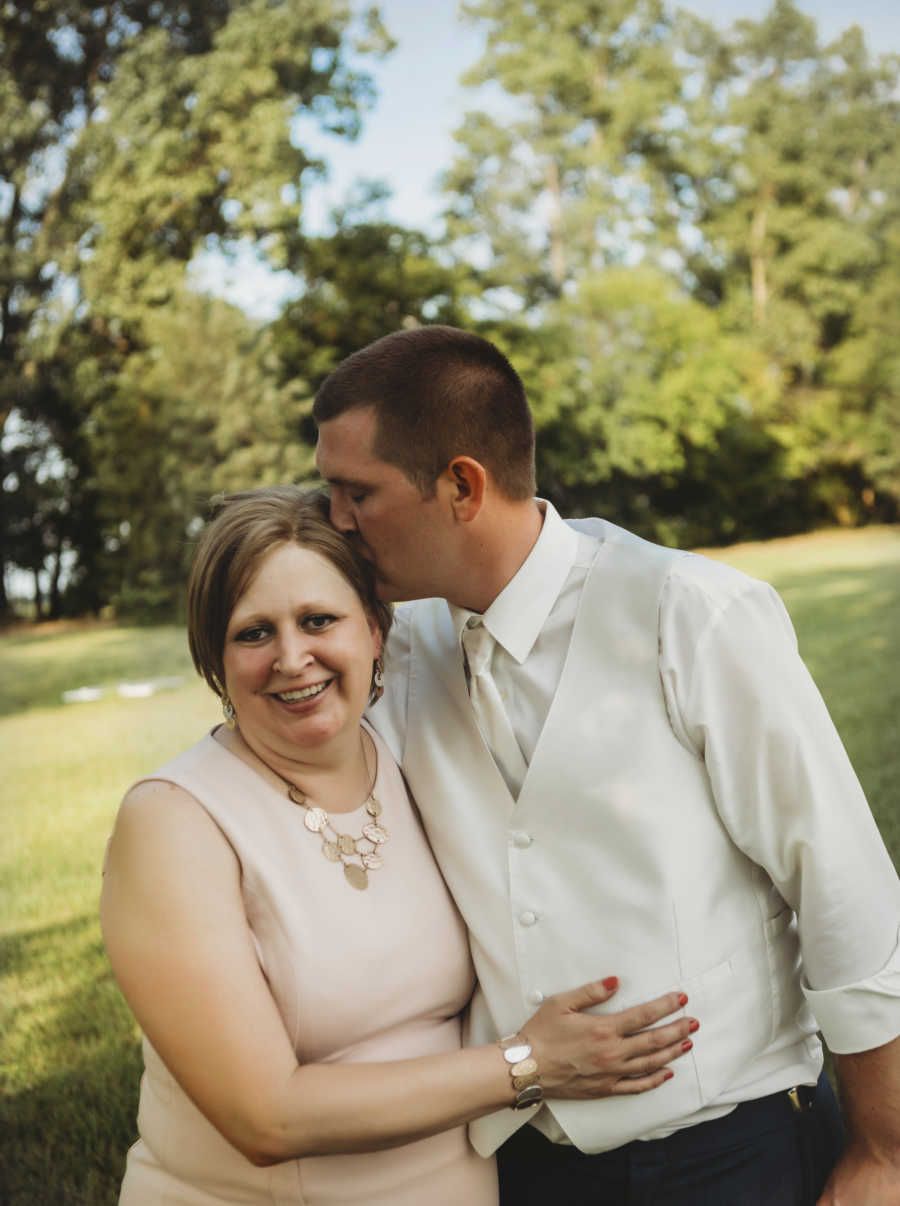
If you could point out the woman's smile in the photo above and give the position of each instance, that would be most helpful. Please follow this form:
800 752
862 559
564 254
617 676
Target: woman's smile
302 694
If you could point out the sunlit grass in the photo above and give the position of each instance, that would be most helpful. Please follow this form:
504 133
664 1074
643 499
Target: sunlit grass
70 1060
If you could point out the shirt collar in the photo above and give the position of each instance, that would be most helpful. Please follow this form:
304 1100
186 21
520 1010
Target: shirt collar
518 614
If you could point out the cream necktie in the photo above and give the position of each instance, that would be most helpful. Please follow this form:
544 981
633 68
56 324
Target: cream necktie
487 705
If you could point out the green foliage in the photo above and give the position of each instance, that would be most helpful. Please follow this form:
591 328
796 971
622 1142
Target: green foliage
193 410
560 184
136 135
755 170
364 279
797 216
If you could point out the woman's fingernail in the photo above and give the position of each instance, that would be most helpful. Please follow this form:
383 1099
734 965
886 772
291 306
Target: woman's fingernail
682 1000
668 1075
686 1045
694 1026
610 983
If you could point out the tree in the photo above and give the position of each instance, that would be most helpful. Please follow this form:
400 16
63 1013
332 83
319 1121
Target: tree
365 278
34 507
757 169
634 387
135 133
563 183
194 410
796 211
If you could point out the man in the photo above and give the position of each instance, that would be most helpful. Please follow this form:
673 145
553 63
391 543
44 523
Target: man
622 762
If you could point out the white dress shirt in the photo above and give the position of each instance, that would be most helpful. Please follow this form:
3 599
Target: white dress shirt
710 639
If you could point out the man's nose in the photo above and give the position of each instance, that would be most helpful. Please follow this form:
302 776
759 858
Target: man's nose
340 513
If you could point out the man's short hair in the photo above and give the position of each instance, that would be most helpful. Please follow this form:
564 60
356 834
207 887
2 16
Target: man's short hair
438 393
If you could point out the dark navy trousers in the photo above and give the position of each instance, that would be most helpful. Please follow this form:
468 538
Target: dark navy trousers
764 1153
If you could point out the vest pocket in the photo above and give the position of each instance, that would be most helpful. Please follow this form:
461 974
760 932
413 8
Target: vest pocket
733 1004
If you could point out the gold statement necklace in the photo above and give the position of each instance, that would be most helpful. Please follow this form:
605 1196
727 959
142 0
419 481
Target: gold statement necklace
344 847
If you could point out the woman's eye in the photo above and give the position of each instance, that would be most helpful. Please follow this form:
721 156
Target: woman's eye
318 622
249 635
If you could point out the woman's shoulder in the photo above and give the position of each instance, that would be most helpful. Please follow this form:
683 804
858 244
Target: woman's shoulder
170 790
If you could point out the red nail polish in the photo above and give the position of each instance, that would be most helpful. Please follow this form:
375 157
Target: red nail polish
668 1075
686 1045
694 1026
682 1000
611 982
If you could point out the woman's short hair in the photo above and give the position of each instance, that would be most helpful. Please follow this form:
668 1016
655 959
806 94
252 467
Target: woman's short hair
244 527
438 393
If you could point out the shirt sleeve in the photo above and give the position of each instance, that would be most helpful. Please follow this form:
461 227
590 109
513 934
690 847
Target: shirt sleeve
739 696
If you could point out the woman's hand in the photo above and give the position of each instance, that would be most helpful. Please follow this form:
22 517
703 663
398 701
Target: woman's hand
583 1055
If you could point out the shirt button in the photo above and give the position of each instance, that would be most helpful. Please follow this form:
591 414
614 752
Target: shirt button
535 997
521 839
528 918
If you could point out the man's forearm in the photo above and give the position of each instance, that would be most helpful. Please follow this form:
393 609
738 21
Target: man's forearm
870 1096
869 1172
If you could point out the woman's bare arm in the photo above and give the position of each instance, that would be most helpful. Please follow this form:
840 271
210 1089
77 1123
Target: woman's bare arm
181 950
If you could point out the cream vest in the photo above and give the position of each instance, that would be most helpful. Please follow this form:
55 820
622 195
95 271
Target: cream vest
613 860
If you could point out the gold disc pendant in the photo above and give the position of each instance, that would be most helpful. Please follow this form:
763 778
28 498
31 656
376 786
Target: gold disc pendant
356 876
315 820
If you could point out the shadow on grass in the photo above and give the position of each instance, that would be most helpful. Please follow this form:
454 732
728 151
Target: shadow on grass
67 1137
66 1128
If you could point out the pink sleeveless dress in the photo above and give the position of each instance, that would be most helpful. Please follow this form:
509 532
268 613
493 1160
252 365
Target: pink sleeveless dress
357 976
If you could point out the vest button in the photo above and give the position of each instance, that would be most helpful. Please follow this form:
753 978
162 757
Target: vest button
535 997
528 918
521 839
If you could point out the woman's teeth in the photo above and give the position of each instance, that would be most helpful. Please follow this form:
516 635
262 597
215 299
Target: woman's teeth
303 693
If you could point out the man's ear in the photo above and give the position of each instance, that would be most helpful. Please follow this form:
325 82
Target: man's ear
468 481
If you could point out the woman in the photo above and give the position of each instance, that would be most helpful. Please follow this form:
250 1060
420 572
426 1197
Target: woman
278 926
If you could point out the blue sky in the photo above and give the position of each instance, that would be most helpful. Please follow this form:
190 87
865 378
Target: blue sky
407 138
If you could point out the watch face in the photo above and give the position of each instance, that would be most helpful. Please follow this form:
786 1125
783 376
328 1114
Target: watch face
514 1055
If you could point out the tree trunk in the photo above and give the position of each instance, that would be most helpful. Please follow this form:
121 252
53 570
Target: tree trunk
55 574
38 597
5 609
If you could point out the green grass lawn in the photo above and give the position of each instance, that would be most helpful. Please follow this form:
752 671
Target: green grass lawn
70 1061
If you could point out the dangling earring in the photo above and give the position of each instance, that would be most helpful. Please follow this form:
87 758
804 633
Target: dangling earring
228 711
377 680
